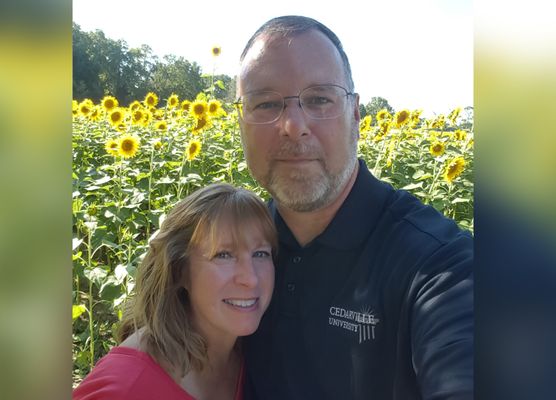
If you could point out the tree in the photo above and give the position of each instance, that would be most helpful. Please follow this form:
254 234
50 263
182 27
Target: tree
376 104
176 75
103 66
86 82
466 121
224 87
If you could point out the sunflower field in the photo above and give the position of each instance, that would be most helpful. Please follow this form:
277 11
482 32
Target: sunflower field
132 164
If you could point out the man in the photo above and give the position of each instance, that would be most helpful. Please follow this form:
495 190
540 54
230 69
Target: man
373 293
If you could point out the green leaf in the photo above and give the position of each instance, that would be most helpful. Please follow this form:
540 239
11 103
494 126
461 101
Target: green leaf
96 274
75 243
166 180
120 272
418 174
76 311
460 200
102 180
412 186
110 289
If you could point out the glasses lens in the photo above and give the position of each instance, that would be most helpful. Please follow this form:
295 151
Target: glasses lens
323 102
262 107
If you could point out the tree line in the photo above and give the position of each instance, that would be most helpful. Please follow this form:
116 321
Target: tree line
103 66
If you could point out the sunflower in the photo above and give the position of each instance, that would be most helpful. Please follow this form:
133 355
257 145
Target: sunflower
454 168
214 107
94 115
365 124
112 146
74 107
198 109
216 50
401 118
157 145
460 135
85 107
158 114
128 146
383 115
384 127
173 101
161 126
135 105
193 149
185 105
454 114
202 123
109 103
147 117
437 149
415 118
439 122
151 99
116 116
137 116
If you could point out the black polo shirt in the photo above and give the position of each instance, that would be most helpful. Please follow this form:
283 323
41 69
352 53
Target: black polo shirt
379 306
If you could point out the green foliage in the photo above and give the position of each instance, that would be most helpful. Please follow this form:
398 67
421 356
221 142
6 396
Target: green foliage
176 75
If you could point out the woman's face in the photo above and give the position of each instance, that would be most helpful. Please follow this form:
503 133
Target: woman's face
230 288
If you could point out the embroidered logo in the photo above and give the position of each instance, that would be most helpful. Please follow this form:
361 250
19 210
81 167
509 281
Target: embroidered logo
362 323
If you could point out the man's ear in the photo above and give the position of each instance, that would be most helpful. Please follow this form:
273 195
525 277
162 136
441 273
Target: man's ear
356 113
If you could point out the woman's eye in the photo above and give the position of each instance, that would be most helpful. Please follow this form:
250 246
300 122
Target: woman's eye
261 254
223 255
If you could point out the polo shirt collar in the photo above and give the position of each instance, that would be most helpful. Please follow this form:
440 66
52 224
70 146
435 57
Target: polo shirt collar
355 219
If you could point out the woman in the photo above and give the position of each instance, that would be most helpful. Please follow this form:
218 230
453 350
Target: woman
205 281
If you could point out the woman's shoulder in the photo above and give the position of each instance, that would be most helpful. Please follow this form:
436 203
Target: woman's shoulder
127 373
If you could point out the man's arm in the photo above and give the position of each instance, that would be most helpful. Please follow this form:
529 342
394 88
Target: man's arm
442 322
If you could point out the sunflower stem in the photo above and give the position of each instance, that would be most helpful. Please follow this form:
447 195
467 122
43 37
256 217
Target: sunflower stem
149 194
377 172
90 295
435 175
182 166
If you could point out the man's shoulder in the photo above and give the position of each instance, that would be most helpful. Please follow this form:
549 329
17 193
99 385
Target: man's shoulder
408 212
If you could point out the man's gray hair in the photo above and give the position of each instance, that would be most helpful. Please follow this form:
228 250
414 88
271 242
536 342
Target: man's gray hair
292 25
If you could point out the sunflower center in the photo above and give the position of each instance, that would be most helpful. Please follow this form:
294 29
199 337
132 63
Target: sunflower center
127 145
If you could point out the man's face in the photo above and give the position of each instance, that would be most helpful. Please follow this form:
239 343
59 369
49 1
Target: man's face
304 163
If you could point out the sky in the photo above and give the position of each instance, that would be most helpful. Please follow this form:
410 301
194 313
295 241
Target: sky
415 54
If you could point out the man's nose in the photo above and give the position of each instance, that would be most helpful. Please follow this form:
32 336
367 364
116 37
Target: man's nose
293 120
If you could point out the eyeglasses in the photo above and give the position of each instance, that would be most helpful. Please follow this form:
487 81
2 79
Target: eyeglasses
318 102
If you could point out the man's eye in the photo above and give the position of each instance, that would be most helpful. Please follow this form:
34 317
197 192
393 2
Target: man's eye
317 100
223 255
268 105
261 254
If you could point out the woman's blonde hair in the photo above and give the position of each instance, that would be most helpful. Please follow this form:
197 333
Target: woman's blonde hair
160 306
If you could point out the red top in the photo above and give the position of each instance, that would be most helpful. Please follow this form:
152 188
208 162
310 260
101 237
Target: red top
126 373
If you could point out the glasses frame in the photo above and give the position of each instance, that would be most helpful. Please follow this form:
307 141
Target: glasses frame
239 104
